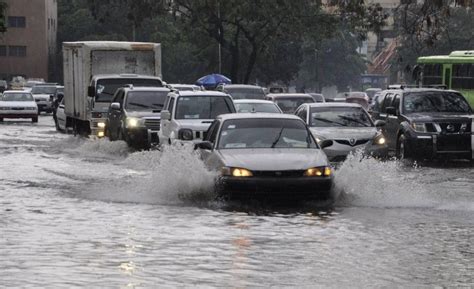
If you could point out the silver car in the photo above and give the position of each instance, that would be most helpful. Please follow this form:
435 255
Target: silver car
348 125
265 154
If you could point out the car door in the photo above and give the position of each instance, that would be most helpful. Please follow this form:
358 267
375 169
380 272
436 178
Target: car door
114 115
166 123
60 115
211 157
392 122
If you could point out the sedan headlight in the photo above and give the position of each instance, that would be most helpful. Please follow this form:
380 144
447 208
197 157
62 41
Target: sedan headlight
30 108
236 172
318 172
419 127
134 122
185 134
380 140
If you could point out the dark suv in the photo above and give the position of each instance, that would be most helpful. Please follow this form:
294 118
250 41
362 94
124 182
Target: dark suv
134 115
424 123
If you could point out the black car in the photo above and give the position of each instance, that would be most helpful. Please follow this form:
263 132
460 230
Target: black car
242 91
134 115
424 123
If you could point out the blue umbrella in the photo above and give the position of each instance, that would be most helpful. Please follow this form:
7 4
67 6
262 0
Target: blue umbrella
212 80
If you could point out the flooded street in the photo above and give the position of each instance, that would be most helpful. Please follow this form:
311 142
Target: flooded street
76 212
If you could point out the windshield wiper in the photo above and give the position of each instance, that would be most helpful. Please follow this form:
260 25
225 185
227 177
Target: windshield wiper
352 119
329 121
278 138
139 104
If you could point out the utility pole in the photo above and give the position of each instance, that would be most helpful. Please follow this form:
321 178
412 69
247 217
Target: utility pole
219 31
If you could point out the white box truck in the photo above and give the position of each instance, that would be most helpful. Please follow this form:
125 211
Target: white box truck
93 70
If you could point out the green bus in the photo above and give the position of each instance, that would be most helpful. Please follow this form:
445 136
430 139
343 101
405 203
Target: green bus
455 71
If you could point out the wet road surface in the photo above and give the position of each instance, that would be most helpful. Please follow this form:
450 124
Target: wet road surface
91 213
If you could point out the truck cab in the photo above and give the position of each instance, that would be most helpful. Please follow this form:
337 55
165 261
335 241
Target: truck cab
102 90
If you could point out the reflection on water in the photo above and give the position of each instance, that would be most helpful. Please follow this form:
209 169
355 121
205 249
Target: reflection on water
85 213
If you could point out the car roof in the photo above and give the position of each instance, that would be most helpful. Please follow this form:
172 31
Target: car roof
253 101
417 89
199 93
16 91
145 88
289 95
242 86
255 115
125 75
332 104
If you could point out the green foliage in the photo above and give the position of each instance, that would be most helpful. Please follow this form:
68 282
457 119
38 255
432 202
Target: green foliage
455 33
3 25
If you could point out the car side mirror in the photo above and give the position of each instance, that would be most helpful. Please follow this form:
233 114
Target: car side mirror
391 110
91 91
115 106
380 123
205 145
165 115
325 143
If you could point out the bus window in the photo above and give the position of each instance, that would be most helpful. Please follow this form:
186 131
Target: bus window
432 74
463 76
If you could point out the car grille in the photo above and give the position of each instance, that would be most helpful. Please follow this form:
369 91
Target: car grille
355 143
199 134
280 174
18 108
153 124
455 127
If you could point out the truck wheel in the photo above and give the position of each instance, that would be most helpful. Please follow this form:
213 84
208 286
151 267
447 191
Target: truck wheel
403 151
34 119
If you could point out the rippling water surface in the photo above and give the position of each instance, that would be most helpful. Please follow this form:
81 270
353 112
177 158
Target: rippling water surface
90 213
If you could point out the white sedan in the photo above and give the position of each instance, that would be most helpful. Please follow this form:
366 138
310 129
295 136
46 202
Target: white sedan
256 105
18 104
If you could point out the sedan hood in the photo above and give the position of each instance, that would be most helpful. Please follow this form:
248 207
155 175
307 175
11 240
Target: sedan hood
144 114
18 104
344 132
195 124
273 159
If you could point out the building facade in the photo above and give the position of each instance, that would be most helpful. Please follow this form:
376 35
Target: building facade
28 48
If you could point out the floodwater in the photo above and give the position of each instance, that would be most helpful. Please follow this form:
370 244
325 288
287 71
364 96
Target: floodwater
91 213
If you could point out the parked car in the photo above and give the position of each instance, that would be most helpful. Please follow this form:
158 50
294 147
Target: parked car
183 87
134 115
426 123
348 125
289 102
371 93
318 97
18 104
358 97
60 120
43 95
242 91
256 105
263 154
188 114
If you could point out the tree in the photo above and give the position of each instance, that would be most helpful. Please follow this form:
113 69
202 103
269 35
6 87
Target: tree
3 7
440 37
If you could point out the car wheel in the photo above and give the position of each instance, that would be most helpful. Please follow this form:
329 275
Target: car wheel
403 151
34 119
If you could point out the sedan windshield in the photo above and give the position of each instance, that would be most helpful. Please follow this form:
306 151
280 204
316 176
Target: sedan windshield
257 107
146 100
203 107
289 105
106 87
245 93
265 133
17 97
43 90
339 116
435 101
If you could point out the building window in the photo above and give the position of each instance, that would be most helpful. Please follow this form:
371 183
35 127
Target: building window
19 51
3 50
17 21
